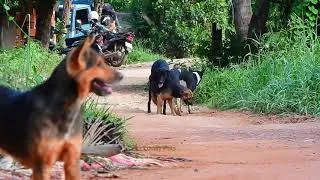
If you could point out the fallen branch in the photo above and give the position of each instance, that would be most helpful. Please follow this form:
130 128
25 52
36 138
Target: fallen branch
107 150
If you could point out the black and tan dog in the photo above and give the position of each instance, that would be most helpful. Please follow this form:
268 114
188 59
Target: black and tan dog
191 78
43 125
165 86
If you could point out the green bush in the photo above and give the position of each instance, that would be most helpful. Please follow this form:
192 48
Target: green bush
283 77
141 54
180 28
101 126
120 5
22 68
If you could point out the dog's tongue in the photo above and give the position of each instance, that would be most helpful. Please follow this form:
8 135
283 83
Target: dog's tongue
108 89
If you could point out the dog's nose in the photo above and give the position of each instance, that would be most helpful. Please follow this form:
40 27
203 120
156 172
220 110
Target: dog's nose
120 76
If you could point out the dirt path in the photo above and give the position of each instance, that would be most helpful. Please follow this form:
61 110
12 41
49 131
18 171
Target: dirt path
221 145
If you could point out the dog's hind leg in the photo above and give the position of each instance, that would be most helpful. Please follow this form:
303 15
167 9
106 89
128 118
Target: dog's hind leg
164 107
149 101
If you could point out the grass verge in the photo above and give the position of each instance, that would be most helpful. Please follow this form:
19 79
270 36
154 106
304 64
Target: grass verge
141 54
283 77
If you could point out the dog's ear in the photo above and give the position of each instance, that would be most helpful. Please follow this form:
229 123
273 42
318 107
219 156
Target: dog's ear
76 61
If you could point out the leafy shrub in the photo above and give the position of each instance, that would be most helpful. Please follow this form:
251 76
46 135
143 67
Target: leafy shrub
141 54
101 126
180 28
26 66
283 77
120 5
308 10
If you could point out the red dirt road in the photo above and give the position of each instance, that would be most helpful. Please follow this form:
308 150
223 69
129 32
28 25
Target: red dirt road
221 145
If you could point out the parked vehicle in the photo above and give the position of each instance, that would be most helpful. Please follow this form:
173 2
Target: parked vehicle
115 46
77 12
119 43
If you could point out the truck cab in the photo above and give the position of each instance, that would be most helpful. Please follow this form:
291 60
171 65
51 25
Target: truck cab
77 12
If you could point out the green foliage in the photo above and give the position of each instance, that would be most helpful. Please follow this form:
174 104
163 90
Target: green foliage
120 5
22 68
141 54
283 77
110 129
309 10
7 5
180 28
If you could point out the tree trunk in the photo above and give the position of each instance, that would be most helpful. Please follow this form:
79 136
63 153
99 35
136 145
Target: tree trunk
44 11
259 19
242 16
216 45
66 12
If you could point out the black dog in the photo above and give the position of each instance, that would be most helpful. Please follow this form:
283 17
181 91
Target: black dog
159 73
165 86
192 79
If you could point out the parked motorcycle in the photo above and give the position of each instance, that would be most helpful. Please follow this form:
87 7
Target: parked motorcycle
115 47
119 43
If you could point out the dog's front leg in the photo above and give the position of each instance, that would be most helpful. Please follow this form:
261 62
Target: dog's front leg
164 107
71 158
174 110
41 172
159 104
189 109
180 105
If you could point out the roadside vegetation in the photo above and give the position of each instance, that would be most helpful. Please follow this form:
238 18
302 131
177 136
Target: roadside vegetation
142 54
283 77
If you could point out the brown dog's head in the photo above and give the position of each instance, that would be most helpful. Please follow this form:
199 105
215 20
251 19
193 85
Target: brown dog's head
187 96
90 71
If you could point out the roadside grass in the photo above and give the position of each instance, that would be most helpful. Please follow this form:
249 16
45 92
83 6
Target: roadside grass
22 68
283 77
141 54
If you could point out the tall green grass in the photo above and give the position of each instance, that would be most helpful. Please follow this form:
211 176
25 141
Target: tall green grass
142 54
283 77
24 67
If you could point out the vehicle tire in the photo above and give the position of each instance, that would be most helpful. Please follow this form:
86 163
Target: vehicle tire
117 62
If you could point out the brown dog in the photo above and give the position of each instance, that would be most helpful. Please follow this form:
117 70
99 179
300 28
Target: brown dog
43 125
159 99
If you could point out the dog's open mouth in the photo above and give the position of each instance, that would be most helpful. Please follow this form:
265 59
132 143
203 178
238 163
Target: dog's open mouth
101 87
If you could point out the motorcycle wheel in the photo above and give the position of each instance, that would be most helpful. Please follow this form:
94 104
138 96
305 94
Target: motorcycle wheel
118 61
